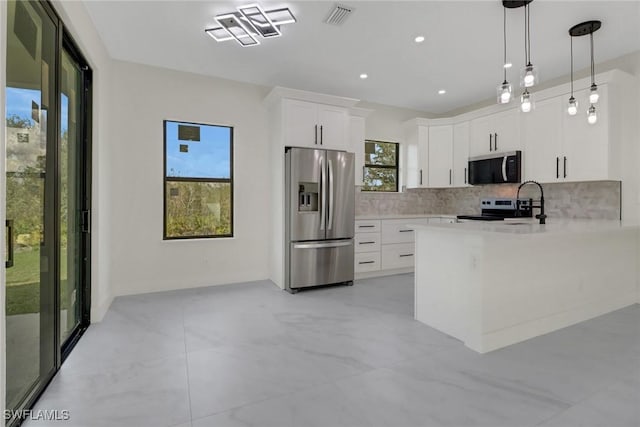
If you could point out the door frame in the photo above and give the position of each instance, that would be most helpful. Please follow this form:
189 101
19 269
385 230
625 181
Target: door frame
65 41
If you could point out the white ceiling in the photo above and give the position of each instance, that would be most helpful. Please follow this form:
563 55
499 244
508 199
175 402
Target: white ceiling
462 52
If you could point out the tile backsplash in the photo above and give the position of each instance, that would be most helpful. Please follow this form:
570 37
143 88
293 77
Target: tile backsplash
592 200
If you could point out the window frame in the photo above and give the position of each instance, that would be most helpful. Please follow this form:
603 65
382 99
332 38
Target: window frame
166 179
396 166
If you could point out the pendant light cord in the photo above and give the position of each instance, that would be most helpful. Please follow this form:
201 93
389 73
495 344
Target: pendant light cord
528 12
504 34
593 67
571 37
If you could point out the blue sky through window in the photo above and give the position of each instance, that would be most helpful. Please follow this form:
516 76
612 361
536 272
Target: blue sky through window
208 158
19 104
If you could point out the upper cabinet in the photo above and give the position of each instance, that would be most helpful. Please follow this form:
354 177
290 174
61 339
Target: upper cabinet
308 124
440 156
461 154
498 132
415 153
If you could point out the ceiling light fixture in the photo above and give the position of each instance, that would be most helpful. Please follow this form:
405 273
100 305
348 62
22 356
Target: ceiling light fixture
363 76
249 23
442 92
419 39
582 29
504 89
529 74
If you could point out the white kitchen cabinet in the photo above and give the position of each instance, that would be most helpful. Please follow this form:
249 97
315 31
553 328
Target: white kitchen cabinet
542 136
416 156
397 255
367 242
460 154
357 135
586 148
495 133
563 148
440 157
307 124
367 262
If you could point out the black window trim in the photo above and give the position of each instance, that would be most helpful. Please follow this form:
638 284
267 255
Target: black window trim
166 179
396 166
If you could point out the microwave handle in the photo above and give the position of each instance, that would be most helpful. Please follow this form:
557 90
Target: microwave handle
504 168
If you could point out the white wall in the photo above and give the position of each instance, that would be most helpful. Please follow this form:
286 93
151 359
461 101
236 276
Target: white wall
80 25
142 97
3 67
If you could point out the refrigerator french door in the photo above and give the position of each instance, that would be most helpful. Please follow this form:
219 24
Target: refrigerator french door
319 217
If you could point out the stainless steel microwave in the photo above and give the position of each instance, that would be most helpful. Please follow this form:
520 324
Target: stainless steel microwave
497 168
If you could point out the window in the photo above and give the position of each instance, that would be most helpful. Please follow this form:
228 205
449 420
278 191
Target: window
198 180
380 166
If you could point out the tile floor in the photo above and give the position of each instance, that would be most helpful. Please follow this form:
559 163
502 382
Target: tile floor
252 355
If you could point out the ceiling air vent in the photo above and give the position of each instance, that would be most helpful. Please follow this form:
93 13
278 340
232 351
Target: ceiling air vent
338 14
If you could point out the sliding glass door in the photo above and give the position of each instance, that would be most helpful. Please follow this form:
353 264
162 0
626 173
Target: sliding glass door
47 198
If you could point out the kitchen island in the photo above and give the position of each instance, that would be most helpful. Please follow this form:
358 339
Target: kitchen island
495 284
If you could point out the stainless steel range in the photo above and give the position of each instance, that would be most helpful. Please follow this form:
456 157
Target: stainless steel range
497 209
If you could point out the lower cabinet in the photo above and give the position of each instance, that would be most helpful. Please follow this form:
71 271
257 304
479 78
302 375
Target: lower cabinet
397 255
387 246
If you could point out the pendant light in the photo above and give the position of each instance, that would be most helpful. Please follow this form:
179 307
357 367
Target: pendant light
504 89
582 29
572 107
529 74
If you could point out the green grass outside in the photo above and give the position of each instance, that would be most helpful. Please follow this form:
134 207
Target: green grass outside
23 283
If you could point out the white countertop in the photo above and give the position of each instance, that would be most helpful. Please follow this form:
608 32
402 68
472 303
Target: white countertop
402 216
528 227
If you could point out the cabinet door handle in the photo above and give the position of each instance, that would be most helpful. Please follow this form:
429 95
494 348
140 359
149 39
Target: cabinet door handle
495 141
490 142
405 255
9 226
465 175
565 166
450 178
405 231
366 226
367 243
321 135
420 176
366 262
557 167
315 135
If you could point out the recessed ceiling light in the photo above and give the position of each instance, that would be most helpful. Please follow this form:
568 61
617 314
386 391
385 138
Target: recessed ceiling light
442 92
508 65
363 76
419 39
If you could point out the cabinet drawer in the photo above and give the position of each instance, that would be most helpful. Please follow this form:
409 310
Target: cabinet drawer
368 226
397 230
367 242
367 262
399 255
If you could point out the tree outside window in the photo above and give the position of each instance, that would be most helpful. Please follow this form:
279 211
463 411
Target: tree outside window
380 166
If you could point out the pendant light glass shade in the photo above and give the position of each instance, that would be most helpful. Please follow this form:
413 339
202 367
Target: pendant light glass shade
504 93
593 94
572 108
592 116
526 102
528 76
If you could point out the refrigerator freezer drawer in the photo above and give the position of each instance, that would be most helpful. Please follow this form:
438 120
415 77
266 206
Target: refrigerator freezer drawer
320 263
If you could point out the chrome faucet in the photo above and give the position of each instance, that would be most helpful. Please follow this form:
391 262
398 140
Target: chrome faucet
542 217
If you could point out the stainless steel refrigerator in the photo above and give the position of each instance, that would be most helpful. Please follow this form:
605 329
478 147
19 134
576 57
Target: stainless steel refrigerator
319 216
